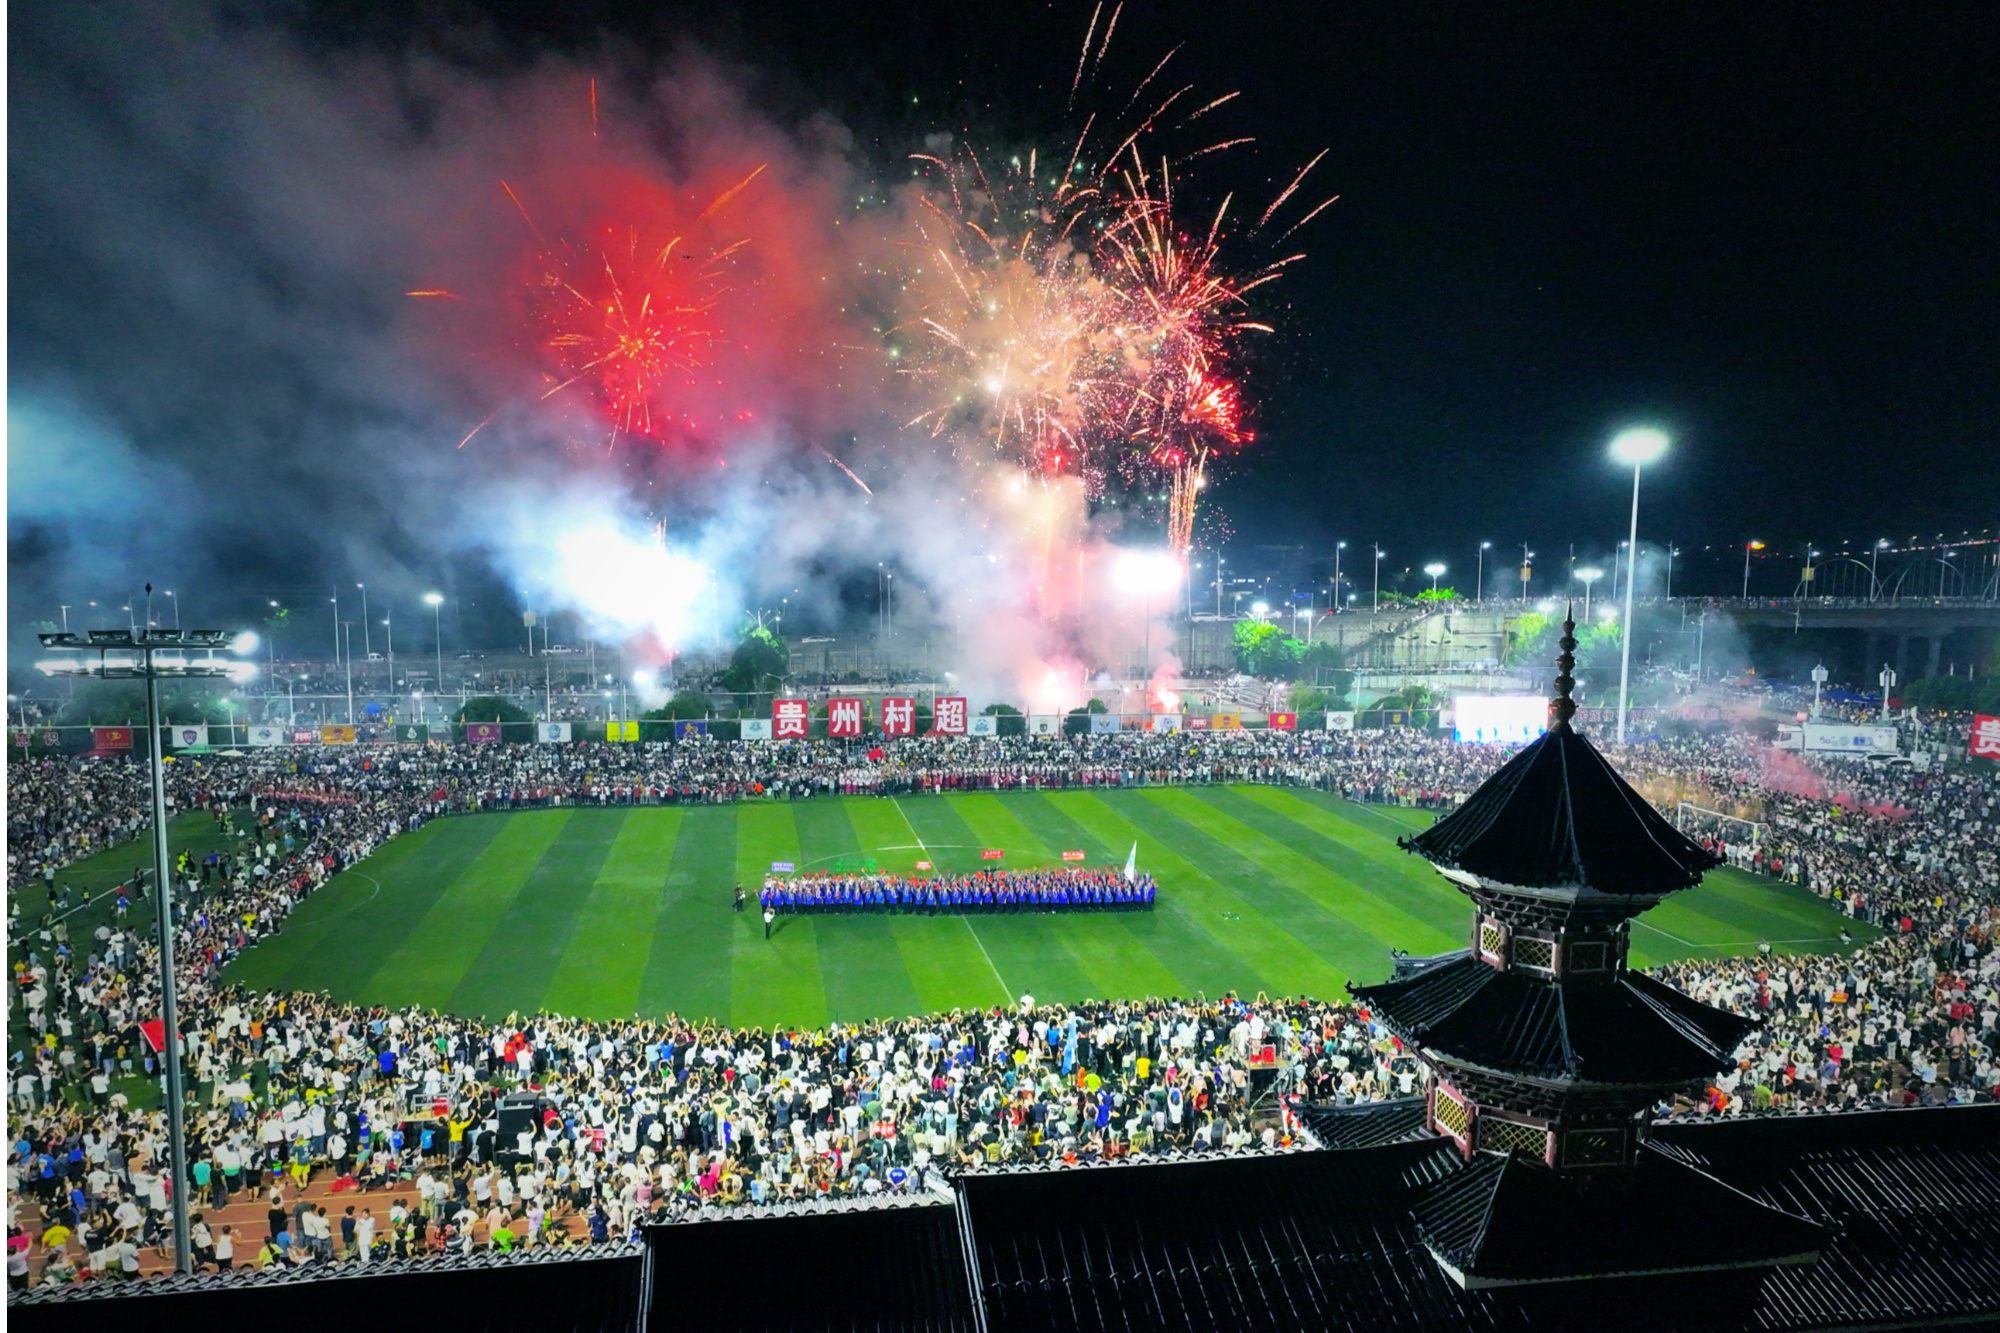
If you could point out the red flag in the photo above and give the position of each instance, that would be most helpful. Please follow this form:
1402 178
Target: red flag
876 754
155 1030
991 854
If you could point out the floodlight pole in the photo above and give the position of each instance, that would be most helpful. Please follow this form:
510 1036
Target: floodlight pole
1625 649
163 925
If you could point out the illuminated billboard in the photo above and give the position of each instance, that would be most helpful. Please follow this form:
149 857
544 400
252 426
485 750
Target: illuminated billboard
1500 719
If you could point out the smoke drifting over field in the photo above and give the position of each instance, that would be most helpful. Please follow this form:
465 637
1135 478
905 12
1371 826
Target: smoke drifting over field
220 377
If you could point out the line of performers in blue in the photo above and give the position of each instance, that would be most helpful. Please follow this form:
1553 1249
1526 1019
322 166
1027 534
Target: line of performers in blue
986 891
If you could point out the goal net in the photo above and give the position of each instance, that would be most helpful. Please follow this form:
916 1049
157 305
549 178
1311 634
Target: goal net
1700 822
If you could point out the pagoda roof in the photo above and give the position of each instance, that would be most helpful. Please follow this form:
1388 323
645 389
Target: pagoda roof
1503 1221
1632 1031
1557 815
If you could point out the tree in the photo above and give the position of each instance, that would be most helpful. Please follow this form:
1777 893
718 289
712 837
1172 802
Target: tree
1078 722
1265 650
759 664
1438 595
684 704
1307 699
492 708
1012 722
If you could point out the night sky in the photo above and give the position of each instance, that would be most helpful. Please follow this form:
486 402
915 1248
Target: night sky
1769 230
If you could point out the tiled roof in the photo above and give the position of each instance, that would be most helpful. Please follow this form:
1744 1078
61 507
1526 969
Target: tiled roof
1364 1124
1558 816
1501 1220
1633 1030
1914 1196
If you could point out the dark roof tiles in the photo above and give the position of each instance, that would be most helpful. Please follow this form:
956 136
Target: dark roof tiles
1558 816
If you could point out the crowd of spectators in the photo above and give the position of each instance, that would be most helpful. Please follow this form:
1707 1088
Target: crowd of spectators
657 1115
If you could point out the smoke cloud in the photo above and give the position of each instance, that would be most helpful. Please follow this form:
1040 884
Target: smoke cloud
219 379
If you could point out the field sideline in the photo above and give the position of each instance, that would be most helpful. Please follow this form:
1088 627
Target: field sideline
609 912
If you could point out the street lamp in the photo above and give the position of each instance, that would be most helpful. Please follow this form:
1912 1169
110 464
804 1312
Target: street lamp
1435 569
1589 575
1818 679
1748 547
367 644
1527 569
1479 588
1338 547
1635 448
1379 553
1888 681
1881 545
150 655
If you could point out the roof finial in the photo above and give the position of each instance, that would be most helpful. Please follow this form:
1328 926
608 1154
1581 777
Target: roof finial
1562 708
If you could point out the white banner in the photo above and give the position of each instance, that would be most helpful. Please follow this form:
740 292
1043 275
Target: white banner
1831 738
756 728
1044 724
984 725
551 733
269 735
1166 722
1340 721
185 735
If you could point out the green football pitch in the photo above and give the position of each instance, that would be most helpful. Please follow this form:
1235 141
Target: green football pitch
610 912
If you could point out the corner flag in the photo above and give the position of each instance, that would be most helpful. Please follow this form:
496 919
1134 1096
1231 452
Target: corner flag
1132 865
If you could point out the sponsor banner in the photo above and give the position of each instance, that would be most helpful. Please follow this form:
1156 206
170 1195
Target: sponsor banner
621 731
985 725
1168 722
482 733
1103 724
783 867
185 736
412 733
992 854
50 739
23 739
789 719
948 715
1225 721
1072 856
551 733
1340 721
843 717
342 735
1044 724
1985 742
756 729
1282 721
304 736
685 729
1135 721
1826 738
1197 722
111 738
899 717
923 865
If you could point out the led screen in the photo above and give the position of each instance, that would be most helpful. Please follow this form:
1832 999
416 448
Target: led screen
1500 719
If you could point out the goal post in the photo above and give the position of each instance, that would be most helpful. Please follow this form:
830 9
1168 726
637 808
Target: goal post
1695 820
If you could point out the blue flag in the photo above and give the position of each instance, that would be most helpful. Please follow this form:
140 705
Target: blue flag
1069 1046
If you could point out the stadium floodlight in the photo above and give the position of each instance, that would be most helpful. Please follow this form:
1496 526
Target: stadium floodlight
1151 574
1638 446
1436 570
1589 574
1635 448
152 655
